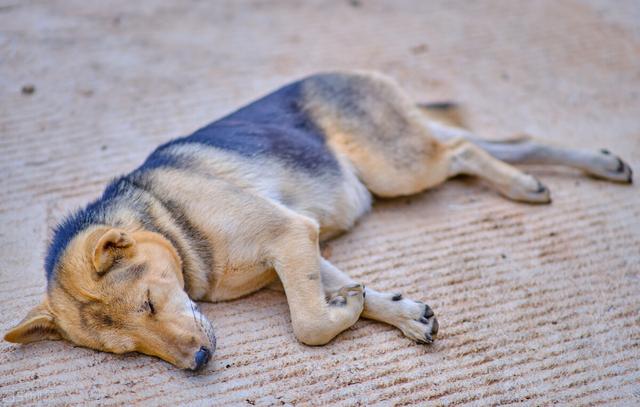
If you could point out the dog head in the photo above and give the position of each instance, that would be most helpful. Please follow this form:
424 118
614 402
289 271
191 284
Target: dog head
120 292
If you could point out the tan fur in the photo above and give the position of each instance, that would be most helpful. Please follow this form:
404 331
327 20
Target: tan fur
264 221
86 299
386 166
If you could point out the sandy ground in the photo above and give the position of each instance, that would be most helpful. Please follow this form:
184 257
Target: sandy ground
537 304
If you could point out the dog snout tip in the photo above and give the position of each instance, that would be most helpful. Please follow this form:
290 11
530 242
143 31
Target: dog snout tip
202 357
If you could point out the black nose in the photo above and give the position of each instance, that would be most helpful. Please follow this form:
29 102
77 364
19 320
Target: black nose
202 357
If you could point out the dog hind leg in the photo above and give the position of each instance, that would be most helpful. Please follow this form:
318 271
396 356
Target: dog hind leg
463 157
369 120
525 150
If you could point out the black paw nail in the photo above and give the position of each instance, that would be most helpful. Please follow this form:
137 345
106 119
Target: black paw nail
435 327
620 166
396 297
605 151
428 312
541 188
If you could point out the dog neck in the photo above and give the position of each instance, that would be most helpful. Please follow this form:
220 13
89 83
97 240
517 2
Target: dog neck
170 221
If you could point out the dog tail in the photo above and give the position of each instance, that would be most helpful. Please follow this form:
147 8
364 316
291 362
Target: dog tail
448 113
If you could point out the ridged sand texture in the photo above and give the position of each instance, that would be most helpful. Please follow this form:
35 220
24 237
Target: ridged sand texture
537 304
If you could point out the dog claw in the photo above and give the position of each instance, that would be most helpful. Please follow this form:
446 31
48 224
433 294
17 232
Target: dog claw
428 312
435 327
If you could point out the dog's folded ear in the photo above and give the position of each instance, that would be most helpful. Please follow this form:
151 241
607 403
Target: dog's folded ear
111 245
38 325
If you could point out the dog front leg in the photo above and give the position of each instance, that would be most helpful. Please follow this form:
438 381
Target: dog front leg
414 318
298 263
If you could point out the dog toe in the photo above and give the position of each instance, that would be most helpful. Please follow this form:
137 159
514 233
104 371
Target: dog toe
610 167
418 322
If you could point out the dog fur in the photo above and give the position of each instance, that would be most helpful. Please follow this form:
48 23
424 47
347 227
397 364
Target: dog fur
246 200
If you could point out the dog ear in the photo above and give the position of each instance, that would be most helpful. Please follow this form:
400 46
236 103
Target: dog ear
113 244
38 325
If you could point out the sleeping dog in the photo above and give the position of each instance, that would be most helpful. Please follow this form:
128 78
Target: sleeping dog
246 201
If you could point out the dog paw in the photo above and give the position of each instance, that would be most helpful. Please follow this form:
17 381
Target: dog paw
342 297
526 188
610 167
418 321
346 305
